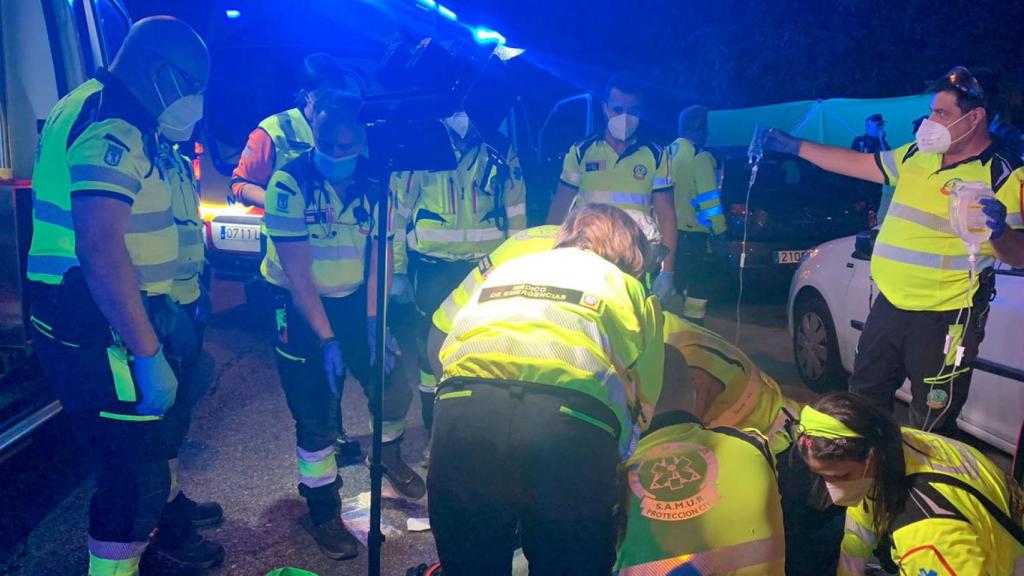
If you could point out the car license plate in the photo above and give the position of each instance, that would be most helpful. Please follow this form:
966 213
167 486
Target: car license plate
242 233
788 256
237 237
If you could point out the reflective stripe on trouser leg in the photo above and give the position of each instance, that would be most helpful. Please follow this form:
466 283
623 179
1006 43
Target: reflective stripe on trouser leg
114 558
427 382
317 468
172 465
695 308
392 430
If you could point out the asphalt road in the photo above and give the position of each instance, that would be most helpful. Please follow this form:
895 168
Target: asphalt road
241 453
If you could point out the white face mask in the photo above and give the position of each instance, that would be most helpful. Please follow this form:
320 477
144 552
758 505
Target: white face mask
851 492
623 126
458 123
179 119
934 137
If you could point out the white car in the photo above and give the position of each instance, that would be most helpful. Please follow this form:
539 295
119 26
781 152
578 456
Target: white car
829 300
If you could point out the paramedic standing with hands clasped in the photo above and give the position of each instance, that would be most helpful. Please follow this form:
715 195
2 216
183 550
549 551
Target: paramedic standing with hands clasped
929 318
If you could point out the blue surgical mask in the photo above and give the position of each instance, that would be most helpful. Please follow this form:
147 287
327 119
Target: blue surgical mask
335 169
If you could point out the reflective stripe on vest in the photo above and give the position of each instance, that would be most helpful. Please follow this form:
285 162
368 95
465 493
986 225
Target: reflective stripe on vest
921 217
928 260
720 561
620 199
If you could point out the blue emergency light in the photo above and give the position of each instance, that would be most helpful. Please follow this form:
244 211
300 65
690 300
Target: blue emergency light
232 14
486 35
446 12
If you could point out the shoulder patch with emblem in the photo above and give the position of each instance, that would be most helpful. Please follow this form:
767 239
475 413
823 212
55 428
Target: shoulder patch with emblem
485 266
113 155
282 202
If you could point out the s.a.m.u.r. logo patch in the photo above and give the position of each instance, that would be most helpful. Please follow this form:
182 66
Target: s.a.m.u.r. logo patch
282 202
113 155
639 171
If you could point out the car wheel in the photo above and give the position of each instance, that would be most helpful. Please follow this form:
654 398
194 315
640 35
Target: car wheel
815 348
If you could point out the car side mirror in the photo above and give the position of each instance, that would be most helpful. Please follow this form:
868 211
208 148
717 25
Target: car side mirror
865 244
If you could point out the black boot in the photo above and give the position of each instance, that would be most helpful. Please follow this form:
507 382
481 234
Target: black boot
404 481
199 514
335 541
178 549
347 450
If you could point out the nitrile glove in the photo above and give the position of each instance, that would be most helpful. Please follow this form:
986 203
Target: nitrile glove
334 366
156 382
401 289
995 212
780 141
664 285
390 349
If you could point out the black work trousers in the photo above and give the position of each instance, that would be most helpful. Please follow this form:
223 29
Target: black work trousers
507 454
91 375
899 344
435 280
312 404
696 274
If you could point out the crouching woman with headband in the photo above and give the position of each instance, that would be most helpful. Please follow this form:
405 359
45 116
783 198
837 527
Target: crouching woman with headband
946 507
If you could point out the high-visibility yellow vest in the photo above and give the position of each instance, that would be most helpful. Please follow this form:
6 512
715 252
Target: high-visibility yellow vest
918 261
749 397
698 199
99 140
529 241
191 246
566 318
460 214
302 206
702 502
291 134
601 176
943 529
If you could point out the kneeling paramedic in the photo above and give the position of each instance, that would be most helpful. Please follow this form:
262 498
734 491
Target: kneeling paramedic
102 264
320 221
699 500
946 508
546 371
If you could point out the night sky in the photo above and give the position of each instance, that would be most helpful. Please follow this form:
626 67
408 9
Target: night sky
731 53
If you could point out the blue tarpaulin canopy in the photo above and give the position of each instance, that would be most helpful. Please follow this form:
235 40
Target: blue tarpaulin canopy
836 121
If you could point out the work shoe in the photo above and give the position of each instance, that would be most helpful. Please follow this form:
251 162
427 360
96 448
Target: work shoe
199 514
347 450
181 552
335 541
403 481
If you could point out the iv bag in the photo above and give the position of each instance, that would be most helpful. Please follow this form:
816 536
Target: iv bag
965 215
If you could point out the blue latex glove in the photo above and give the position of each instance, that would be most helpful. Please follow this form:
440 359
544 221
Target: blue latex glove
664 285
780 141
995 211
391 345
156 382
334 366
401 289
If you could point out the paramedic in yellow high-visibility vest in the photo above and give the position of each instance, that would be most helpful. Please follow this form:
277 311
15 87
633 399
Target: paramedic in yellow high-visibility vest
619 167
945 507
929 317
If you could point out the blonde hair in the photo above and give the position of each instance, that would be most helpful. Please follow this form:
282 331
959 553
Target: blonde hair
608 232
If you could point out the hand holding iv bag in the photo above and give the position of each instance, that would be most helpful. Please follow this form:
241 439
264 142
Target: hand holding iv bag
965 213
